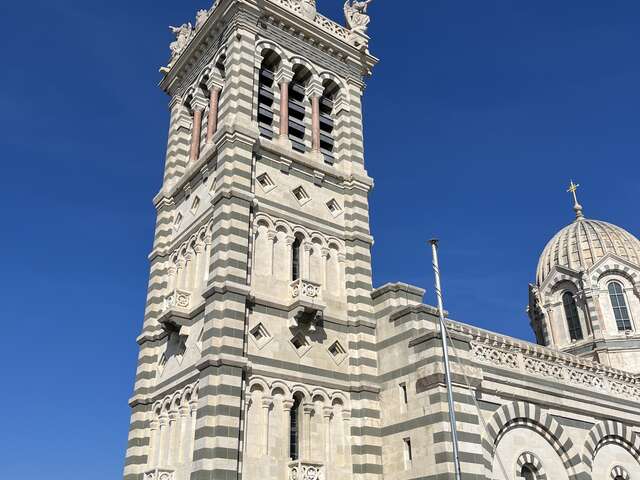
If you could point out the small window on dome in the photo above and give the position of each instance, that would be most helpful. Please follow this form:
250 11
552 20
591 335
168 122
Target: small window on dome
573 318
619 305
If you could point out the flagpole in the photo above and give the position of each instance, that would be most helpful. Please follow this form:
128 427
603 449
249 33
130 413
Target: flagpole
447 368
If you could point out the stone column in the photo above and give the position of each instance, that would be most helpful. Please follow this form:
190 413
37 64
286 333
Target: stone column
341 273
181 273
287 405
305 260
314 92
173 272
174 438
214 84
283 78
267 405
207 253
191 433
185 428
327 413
288 242
271 236
198 104
163 446
199 266
154 432
325 264
308 409
188 271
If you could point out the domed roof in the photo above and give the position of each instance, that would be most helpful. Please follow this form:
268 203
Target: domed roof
581 244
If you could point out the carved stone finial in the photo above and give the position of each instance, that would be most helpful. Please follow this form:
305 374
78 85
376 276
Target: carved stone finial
201 17
355 12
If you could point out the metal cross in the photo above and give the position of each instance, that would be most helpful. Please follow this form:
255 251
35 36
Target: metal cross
573 188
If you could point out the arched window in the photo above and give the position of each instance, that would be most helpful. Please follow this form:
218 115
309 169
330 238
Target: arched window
327 121
573 319
265 93
295 259
528 472
619 304
294 429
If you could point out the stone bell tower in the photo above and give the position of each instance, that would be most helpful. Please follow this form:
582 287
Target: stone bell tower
257 354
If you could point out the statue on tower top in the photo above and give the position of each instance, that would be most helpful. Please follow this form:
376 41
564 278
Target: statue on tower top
356 14
183 35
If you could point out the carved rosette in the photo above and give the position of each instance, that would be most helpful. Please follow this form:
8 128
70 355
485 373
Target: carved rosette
306 471
304 289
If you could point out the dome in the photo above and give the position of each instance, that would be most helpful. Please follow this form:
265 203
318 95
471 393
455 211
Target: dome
581 244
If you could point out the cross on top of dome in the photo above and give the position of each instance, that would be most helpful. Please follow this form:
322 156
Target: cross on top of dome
573 188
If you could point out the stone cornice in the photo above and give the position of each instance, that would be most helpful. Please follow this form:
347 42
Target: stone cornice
397 287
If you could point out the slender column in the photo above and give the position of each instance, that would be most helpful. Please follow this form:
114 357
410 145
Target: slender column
188 271
308 409
207 253
185 429
164 440
195 134
193 405
325 257
315 123
212 121
267 405
271 236
198 104
287 405
306 261
283 77
181 273
327 413
174 438
314 92
154 431
173 272
288 242
199 261
341 273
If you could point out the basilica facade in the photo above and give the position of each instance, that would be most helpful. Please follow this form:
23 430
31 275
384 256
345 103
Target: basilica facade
266 352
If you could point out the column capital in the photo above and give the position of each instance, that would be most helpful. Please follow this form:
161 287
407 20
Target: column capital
314 89
287 404
308 408
193 405
184 410
271 235
214 82
267 403
197 101
289 240
325 252
154 424
284 74
327 412
307 246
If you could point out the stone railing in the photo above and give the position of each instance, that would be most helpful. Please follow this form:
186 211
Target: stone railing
299 470
507 352
321 21
159 474
178 298
305 290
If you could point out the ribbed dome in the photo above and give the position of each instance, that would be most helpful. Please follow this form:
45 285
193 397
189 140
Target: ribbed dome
584 242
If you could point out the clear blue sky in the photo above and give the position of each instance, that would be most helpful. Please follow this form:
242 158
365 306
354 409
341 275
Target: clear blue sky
477 117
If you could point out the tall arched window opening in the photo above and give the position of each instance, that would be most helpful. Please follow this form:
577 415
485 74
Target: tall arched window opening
327 121
294 430
266 96
619 305
295 259
573 319
528 472
298 108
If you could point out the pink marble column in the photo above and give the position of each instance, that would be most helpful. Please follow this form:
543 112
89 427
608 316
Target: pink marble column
284 109
315 122
212 122
195 134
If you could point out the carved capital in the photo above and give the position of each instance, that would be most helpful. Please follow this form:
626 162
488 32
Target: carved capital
287 404
314 89
271 235
284 74
267 403
327 412
308 409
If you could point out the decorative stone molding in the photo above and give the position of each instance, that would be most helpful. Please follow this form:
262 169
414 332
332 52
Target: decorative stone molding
159 474
305 290
535 360
300 470
179 299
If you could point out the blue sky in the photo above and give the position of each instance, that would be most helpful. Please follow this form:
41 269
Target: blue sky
476 118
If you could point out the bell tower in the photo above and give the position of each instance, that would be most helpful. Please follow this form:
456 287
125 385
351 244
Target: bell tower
257 353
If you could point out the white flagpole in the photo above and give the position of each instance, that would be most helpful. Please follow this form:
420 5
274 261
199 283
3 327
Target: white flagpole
447 369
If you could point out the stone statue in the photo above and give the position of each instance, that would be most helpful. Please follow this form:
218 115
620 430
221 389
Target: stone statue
308 8
183 35
201 17
355 12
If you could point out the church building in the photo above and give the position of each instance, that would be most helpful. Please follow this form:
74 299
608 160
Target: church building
267 354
